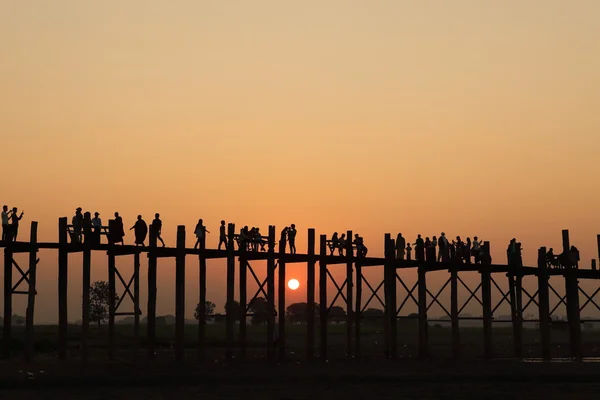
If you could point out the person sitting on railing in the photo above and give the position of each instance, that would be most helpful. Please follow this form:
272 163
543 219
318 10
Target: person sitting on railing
140 230
361 249
77 226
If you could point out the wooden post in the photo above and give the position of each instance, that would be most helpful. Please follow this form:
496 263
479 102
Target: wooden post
112 294
136 304
63 261
6 328
180 294
281 299
151 313
598 240
202 299
486 298
231 317
243 301
572 296
310 296
514 288
349 310
390 298
323 297
423 338
544 303
271 294
87 281
31 294
386 293
454 311
358 307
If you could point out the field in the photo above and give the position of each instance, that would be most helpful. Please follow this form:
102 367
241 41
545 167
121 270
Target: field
365 377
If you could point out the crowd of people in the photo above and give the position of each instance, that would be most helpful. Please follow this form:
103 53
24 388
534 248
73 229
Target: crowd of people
340 242
10 224
439 249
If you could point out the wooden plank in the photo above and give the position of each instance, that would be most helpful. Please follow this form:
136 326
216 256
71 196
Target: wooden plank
29 339
151 313
112 292
544 304
281 292
202 300
271 294
231 317
422 301
63 261
180 294
310 296
454 311
243 286
486 299
323 297
85 310
136 305
349 299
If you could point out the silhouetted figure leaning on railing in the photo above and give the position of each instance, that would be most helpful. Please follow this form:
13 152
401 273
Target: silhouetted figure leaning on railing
140 230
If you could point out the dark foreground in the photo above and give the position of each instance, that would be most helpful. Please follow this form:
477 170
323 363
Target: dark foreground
352 380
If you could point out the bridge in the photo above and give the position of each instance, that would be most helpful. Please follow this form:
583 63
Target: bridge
318 264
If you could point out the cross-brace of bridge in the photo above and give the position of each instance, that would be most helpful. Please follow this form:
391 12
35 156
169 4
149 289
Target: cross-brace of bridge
349 291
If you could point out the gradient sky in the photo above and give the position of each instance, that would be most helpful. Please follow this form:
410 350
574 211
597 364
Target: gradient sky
471 117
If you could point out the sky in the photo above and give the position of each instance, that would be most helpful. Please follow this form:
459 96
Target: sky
469 117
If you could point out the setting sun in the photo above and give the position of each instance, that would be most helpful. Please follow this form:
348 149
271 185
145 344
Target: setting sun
293 284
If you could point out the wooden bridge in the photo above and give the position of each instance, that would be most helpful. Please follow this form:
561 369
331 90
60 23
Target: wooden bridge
351 291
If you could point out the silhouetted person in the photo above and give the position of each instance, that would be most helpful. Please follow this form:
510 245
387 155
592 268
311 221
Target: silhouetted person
519 254
283 238
77 226
434 243
574 257
419 249
335 242
222 235
140 230
444 247
118 231
400 247
408 252
87 227
476 250
342 244
292 238
361 249
6 237
14 228
157 227
429 254
467 251
200 231
97 228
511 252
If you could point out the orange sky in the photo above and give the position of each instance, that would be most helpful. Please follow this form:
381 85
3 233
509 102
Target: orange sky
472 117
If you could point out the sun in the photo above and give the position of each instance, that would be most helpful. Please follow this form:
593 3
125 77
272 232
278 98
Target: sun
293 284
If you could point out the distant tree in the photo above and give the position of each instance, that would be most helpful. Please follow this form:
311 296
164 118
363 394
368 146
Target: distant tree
234 308
260 311
372 315
209 310
99 296
337 314
298 312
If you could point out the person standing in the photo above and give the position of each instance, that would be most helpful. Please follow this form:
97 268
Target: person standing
283 238
15 223
97 227
199 232
419 249
157 226
119 231
77 222
222 235
140 229
292 238
400 247
5 226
